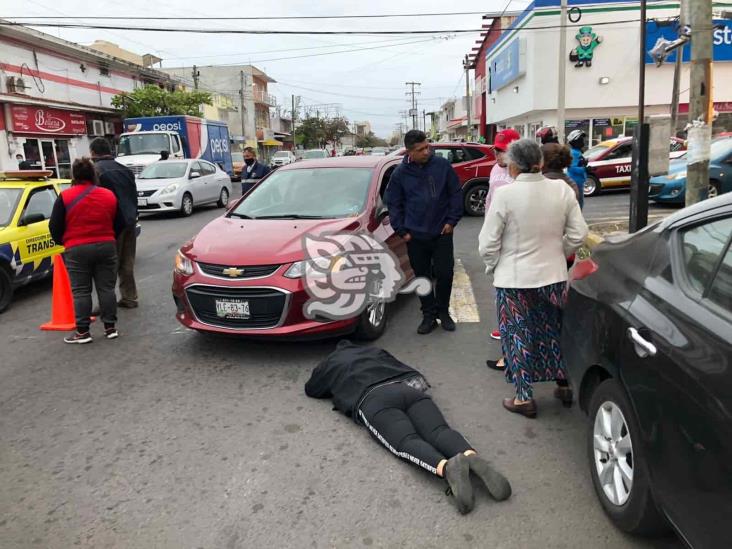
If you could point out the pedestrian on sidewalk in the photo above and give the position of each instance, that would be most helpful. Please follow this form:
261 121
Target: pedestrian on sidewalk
86 220
498 178
253 171
578 168
557 158
121 181
532 226
389 398
425 203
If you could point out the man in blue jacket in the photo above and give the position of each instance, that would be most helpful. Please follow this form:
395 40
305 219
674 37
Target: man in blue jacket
425 203
253 171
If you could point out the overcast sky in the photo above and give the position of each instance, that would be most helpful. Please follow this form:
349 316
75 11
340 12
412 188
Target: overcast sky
368 84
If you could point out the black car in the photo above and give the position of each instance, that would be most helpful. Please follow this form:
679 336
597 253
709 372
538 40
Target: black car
647 336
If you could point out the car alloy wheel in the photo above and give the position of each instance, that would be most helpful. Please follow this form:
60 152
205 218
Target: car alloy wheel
187 205
591 186
475 200
613 451
376 311
223 198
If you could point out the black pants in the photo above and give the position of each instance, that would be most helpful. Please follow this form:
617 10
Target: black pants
434 258
126 250
97 263
411 426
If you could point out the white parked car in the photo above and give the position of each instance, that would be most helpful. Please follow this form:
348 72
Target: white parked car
180 185
314 154
283 158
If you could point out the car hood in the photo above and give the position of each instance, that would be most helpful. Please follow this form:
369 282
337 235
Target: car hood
233 241
149 184
675 166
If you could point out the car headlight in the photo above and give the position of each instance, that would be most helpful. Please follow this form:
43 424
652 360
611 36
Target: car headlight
183 265
679 175
299 268
296 270
170 188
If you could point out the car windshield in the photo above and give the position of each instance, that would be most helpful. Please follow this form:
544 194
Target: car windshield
164 170
281 154
308 193
592 153
8 201
237 157
313 154
146 143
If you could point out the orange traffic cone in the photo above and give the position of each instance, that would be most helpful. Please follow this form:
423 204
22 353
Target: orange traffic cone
63 318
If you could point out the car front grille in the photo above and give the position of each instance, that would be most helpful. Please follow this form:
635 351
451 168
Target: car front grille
655 189
266 306
253 271
136 168
144 194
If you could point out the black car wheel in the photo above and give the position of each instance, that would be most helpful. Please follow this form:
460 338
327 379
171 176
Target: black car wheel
592 186
474 200
617 464
372 322
223 198
186 205
6 287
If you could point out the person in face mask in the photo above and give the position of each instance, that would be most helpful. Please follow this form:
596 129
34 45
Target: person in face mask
253 170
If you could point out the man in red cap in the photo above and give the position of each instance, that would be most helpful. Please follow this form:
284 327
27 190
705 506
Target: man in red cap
499 178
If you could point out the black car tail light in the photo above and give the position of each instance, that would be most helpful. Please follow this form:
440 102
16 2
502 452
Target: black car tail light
582 269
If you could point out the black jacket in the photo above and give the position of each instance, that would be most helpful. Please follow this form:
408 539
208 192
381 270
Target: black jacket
422 198
121 181
258 171
351 371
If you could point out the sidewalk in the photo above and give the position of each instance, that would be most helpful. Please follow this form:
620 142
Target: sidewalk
600 230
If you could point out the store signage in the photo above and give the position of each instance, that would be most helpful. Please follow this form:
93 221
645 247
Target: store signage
719 106
507 66
38 120
587 41
721 41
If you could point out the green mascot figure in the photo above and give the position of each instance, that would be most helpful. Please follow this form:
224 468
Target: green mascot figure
588 41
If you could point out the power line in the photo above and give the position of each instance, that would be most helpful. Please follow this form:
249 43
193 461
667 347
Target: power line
260 18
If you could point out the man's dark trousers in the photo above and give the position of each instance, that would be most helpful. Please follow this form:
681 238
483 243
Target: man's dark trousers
126 249
434 257
98 263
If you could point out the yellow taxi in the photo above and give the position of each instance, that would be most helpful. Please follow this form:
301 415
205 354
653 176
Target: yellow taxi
26 246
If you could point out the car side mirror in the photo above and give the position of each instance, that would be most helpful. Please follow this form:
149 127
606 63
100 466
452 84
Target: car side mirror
29 219
194 175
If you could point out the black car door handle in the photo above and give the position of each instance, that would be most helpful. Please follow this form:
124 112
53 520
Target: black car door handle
643 348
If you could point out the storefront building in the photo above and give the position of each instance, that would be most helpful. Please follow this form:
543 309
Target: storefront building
55 97
601 92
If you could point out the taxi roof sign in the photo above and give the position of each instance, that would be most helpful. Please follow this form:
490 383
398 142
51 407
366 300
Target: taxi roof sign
26 175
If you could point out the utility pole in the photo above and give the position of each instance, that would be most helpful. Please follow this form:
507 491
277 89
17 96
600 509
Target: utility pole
294 118
677 71
196 75
242 108
424 121
700 101
413 111
561 88
639 176
468 106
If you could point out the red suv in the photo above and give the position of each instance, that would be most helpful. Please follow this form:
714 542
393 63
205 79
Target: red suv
243 273
473 163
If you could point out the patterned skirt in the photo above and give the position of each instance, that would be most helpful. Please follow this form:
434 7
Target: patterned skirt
530 323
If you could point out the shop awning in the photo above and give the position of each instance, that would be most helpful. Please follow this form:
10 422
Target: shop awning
457 122
271 143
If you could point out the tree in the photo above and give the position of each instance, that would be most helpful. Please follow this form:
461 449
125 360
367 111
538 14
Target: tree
370 140
156 101
311 133
335 129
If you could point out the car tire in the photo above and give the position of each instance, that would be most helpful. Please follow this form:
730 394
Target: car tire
474 199
223 198
6 288
186 205
714 188
627 500
594 188
372 322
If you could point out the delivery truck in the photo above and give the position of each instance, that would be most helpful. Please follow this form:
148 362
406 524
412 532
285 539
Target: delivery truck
182 136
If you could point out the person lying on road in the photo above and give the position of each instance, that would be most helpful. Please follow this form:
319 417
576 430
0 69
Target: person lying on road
388 397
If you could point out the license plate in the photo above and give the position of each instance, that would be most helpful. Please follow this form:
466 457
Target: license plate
142 201
232 308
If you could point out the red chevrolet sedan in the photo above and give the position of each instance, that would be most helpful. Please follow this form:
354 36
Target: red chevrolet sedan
243 274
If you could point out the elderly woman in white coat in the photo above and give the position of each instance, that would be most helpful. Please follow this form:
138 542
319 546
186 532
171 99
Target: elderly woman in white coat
531 227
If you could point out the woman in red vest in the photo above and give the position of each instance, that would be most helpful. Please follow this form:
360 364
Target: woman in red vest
86 221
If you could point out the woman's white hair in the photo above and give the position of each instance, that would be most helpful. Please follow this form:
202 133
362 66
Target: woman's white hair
526 155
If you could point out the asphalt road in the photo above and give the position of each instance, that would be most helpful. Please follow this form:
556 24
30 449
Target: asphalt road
169 438
614 206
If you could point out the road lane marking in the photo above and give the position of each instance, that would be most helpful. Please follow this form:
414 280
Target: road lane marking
463 307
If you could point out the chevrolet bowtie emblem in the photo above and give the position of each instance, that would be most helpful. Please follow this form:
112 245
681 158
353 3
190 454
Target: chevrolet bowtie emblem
233 272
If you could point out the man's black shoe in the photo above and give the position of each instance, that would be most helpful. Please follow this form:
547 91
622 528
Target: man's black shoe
428 324
447 322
